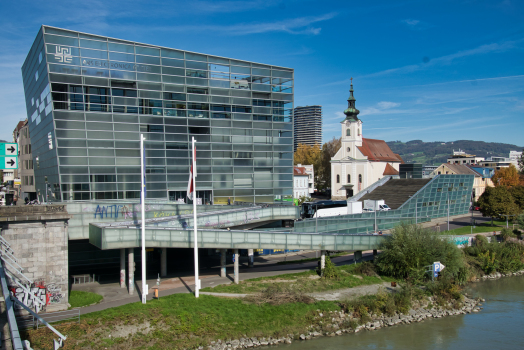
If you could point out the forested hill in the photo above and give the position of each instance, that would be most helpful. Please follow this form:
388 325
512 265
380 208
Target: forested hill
435 153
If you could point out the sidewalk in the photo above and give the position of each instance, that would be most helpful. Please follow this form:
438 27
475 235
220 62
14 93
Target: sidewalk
115 296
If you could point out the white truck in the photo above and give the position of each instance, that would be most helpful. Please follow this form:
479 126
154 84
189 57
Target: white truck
375 205
351 208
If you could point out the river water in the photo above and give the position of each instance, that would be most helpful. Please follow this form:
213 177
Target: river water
500 325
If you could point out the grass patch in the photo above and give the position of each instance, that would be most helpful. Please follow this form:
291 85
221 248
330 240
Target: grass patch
80 299
181 321
349 276
310 259
480 228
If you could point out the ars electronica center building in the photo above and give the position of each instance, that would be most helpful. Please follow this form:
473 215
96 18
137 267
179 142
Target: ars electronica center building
90 97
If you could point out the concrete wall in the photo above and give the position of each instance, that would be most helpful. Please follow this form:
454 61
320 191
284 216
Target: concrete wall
40 243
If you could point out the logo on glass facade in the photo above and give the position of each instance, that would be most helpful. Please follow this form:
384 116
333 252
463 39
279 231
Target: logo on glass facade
63 54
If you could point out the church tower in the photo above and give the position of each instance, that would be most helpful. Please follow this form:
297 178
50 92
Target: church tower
351 127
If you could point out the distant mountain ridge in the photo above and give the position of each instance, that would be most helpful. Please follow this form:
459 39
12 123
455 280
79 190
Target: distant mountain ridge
435 153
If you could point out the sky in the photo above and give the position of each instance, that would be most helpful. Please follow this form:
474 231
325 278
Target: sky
422 70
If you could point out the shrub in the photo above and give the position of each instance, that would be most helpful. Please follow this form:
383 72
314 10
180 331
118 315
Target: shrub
329 272
481 241
365 268
506 234
411 248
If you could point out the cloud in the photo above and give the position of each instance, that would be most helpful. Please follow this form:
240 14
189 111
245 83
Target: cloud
410 22
387 104
381 108
300 25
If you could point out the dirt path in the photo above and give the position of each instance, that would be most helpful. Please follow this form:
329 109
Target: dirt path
342 294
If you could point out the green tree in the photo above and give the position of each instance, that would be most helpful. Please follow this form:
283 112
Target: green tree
303 199
506 177
521 163
517 192
497 201
329 149
310 155
411 248
519 220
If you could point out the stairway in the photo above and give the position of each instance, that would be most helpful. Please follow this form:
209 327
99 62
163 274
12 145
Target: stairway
396 192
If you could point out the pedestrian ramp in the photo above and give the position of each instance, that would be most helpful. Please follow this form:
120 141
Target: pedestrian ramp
106 236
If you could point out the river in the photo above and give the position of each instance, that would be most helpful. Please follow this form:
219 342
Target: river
500 325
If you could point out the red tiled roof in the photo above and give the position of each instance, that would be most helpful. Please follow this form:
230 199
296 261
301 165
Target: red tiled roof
299 171
378 151
399 157
390 170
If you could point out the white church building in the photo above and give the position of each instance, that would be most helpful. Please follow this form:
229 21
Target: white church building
360 161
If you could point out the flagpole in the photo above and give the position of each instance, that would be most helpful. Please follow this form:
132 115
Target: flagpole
143 209
197 281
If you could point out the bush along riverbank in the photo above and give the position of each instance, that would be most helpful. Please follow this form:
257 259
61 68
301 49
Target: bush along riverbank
287 308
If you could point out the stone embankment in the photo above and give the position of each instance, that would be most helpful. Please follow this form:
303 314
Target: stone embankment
335 323
496 275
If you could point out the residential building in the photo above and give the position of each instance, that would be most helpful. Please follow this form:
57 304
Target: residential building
310 171
90 97
300 182
481 179
498 162
307 126
461 157
26 172
515 155
360 161
428 169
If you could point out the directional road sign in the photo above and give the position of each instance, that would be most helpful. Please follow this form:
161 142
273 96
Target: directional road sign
9 163
9 149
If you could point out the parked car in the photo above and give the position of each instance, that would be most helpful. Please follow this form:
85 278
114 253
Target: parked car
475 208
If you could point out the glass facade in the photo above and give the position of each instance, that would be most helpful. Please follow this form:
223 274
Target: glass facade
443 194
90 97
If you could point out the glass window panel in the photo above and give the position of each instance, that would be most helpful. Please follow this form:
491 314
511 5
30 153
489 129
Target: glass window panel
99 126
100 45
94 135
172 53
282 74
114 56
93 54
148 59
196 57
173 71
121 48
59 31
149 86
219 68
142 50
173 79
123 75
75 152
196 65
219 83
70 134
149 77
126 135
73 160
172 63
54 39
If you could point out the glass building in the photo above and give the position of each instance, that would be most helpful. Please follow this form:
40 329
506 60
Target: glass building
90 97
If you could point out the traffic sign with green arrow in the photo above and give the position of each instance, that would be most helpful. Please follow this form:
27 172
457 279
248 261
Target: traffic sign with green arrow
9 149
8 156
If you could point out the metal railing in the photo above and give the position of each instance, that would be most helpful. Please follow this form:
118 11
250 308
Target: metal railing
30 321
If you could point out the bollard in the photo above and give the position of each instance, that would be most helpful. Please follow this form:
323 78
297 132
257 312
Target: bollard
156 293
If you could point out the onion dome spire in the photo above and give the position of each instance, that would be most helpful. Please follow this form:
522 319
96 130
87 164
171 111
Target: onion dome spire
351 112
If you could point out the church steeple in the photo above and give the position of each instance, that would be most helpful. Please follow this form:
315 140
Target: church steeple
351 112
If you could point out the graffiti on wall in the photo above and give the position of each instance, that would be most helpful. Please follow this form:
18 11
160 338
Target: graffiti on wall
116 210
50 294
462 241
